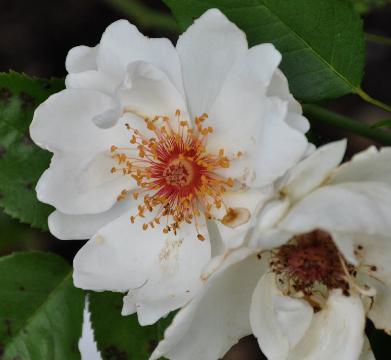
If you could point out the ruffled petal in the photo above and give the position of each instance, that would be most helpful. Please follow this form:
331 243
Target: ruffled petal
267 144
244 204
312 171
82 185
65 122
346 208
279 146
369 165
91 79
122 44
336 332
208 50
149 92
160 271
279 322
239 108
374 252
217 317
81 58
279 87
82 227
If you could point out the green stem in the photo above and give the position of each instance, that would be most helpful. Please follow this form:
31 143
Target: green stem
144 16
318 114
378 39
363 95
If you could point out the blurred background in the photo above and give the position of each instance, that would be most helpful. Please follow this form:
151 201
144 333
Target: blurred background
35 37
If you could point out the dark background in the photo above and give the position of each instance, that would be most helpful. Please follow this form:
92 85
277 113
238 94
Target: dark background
35 37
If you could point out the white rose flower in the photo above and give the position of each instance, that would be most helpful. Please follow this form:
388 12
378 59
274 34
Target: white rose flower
318 263
150 141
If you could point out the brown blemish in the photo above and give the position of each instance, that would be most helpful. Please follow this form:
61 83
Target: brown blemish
236 217
113 353
27 100
3 151
170 249
5 95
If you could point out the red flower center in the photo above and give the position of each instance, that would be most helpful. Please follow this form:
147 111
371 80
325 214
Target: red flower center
174 171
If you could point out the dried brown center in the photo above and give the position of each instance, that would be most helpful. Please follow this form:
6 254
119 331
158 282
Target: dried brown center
311 259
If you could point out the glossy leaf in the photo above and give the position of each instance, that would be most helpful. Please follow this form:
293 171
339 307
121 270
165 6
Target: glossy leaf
21 161
322 41
41 312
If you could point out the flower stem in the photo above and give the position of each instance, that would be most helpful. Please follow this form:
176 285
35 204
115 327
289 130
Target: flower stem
363 95
145 16
378 39
318 114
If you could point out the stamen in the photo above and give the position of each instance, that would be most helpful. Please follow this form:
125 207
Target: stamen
175 172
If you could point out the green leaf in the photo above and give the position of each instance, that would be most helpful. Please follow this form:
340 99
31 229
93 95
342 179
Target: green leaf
364 6
322 41
382 123
22 162
41 312
121 337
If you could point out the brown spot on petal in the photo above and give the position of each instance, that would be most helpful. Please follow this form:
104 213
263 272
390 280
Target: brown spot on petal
236 217
99 239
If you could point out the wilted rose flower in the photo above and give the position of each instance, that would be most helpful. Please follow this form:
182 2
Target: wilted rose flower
317 264
151 142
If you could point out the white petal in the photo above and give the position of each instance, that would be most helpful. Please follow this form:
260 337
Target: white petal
122 44
82 185
272 213
91 79
247 200
81 58
347 207
269 145
279 87
336 332
161 271
366 353
279 146
150 92
376 251
345 244
81 227
65 122
87 345
242 96
208 49
314 170
217 318
370 165
269 239
278 321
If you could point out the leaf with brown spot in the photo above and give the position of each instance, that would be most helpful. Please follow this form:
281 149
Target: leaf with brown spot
41 312
121 337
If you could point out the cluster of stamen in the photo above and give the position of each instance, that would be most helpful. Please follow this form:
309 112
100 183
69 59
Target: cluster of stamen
310 265
175 174
310 262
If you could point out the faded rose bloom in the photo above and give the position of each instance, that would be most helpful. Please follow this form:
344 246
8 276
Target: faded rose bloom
317 264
